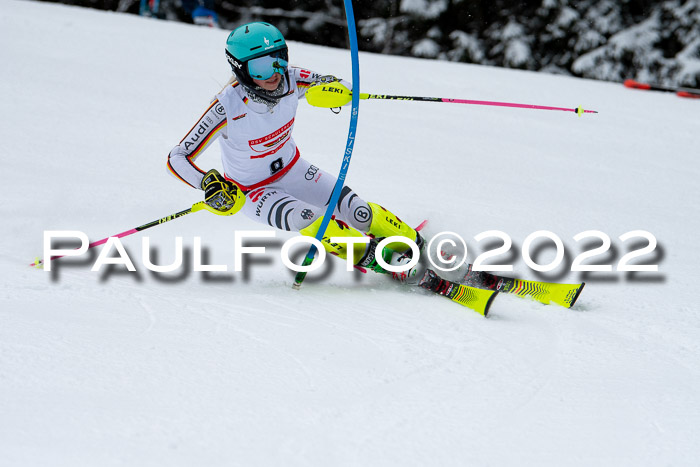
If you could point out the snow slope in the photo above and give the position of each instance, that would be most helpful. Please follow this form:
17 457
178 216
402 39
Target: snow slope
236 368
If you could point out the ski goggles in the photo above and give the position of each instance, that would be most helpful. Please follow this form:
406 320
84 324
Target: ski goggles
264 67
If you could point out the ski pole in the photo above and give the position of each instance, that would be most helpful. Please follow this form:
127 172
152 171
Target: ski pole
195 207
681 92
578 110
336 95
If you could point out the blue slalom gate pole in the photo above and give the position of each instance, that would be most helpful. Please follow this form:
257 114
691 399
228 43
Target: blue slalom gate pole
354 55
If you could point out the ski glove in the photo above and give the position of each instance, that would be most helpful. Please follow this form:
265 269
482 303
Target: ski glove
219 193
325 79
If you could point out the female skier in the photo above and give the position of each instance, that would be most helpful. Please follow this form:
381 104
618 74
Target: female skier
253 118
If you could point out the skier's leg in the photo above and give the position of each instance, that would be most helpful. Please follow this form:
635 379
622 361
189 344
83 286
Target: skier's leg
363 254
291 204
273 206
277 208
314 185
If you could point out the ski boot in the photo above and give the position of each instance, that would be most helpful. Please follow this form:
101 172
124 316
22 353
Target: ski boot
369 259
392 258
431 281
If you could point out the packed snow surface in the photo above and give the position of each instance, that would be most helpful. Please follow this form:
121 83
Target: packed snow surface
236 368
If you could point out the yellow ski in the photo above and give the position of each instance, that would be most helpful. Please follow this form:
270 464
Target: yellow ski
544 292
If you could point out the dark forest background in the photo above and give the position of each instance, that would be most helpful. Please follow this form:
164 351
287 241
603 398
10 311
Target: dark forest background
651 41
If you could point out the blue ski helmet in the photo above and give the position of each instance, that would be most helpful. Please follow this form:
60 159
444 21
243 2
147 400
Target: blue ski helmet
253 41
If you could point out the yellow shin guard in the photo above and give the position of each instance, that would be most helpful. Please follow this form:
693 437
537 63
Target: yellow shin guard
386 224
337 229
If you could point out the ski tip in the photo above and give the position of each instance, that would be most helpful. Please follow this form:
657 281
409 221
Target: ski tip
578 293
487 308
688 94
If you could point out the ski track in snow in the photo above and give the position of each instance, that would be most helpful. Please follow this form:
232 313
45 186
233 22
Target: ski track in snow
117 368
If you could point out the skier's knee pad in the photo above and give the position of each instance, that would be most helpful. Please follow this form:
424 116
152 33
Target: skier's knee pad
336 228
386 224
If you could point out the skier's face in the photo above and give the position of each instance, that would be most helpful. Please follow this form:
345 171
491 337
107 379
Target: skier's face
269 84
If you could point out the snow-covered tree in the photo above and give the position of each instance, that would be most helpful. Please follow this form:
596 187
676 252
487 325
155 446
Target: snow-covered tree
604 39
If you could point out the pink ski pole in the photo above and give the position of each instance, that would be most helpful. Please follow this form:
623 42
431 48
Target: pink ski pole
195 207
578 110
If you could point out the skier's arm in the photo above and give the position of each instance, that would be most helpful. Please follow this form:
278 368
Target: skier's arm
305 78
181 160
